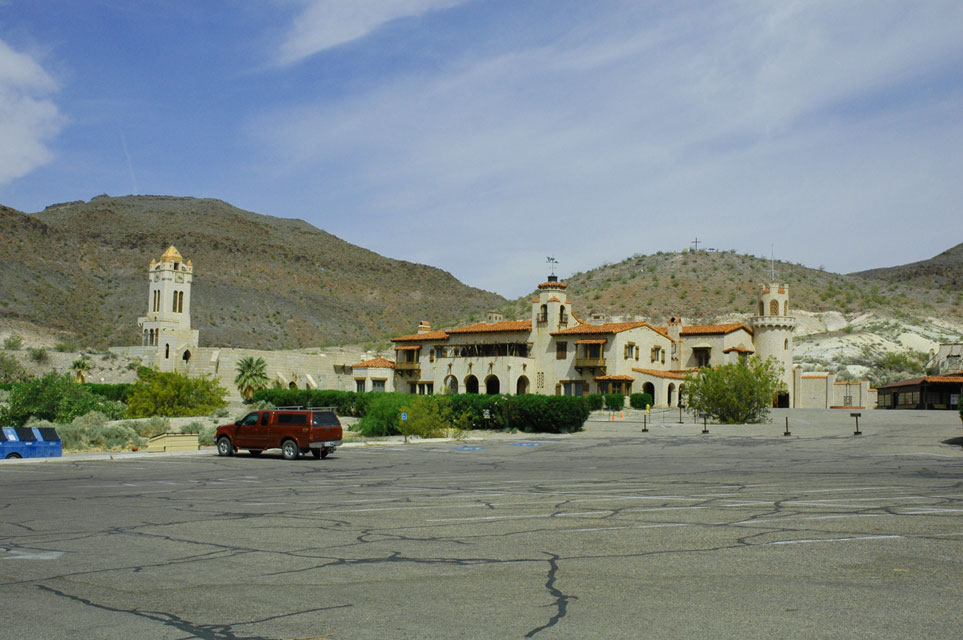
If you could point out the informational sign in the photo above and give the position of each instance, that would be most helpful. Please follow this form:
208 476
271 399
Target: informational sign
404 416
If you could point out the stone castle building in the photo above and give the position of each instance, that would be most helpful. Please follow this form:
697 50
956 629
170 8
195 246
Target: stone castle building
553 352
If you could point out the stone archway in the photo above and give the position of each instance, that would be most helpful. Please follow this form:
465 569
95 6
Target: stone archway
521 387
671 395
471 384
649 388
492 385
451 384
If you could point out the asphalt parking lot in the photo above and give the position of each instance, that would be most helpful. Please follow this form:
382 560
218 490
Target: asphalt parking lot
610 533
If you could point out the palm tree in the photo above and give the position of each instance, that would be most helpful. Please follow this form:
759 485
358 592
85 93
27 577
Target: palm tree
81 367
251 376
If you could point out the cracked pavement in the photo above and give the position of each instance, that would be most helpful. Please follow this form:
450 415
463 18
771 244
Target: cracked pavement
610 533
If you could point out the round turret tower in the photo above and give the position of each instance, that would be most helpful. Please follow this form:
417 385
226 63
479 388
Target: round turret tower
167 324
772 329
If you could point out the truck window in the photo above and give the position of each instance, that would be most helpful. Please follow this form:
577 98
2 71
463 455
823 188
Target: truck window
292 418
324 419
249 420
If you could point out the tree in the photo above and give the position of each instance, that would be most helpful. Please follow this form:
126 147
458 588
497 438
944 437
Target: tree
735 393
81 367
174 394
57 398
251 376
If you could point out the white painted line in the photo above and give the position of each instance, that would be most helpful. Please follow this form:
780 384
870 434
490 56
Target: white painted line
855 538
847 515
929 511
523 516
17 554
638 526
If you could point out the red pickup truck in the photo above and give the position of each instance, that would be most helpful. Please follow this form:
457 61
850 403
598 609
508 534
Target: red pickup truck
293 431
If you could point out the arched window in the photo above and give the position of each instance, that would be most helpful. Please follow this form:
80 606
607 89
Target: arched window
180 302
762 308
167 350
774 308
174 306
451 384
471 384
786 344
492 385
187 356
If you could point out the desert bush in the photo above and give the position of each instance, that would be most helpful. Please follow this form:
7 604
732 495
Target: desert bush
13 342
38 354
11 371
640 400
735 393
428 417
57 398
65 347
153 426
174 394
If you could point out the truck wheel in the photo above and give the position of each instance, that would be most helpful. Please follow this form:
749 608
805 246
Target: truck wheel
316 453
224 446
324 453
13 456
289 449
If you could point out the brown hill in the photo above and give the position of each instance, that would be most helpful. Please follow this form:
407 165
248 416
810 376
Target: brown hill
702 285
944 271
261 282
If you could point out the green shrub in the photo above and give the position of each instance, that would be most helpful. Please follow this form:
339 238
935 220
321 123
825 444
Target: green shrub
383 417
640 400
345 403
151 427
428 417
13 342
174 394
548 414
65 347
614 401
595 401
57 398
735 393
117 392
38 354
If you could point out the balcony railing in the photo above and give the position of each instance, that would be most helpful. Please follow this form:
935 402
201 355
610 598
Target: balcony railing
590 362
407 366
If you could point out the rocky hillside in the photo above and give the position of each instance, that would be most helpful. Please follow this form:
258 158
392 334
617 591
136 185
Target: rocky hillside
943 272
261 282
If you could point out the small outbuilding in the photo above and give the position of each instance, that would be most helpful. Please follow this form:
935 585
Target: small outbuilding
929 392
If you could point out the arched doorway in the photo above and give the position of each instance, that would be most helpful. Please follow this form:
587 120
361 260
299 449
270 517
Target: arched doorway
292 385
492 385
671 395
471 384
521 387
649 388
187 355
451 384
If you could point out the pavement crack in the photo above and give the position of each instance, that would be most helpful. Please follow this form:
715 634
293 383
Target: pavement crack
561 599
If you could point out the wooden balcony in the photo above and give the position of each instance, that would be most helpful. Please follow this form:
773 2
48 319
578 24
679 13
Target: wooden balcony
594 363
408 367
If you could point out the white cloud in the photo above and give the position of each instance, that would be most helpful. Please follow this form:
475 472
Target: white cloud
324 24
28 117
802 124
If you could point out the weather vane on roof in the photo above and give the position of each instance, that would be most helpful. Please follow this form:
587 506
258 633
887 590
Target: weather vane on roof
552 263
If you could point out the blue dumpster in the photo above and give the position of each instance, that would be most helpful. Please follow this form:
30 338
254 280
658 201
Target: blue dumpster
29 442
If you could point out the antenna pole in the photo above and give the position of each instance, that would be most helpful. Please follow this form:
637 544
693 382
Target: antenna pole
772 263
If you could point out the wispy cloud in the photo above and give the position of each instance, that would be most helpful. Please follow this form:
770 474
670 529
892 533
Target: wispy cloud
324 24
29 119
803 124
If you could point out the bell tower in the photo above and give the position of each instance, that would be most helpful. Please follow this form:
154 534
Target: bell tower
167 325
772 329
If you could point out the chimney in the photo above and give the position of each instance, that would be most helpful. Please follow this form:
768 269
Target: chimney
492 317
424 327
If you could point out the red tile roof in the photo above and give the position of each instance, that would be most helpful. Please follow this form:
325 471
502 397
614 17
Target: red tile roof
608 327
615 378
957 379
379 362
738 350
494 327
592 341
714 329
674 375
428 335
408 347
553 285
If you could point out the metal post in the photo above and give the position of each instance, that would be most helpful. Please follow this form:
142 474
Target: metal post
645 424
705 423
786 433
680 414
857 432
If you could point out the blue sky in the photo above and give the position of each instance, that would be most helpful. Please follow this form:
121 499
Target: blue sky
482 136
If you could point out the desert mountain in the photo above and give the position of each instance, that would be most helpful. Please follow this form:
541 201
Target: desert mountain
943 272
260 281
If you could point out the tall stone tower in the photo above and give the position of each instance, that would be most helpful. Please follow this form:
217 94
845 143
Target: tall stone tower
167 324
772 331
551 311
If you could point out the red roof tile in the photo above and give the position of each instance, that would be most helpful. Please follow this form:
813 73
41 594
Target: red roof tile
608 327
674 375
615 378
738 350
494 327
553 285
428 335
713 329
592 341
379 362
